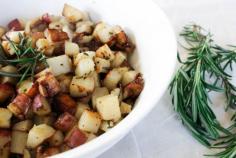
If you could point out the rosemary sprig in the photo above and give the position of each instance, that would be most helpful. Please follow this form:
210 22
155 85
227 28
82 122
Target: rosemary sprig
189 88
26 58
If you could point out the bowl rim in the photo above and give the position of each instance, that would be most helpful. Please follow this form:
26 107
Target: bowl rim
122 128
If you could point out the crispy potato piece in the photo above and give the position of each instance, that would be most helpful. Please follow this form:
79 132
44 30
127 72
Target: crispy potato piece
15 25
20 105
26 154
84 67
41 106
6 92
102 65
13 36
84 27
83 55
81 107
75 138
5 140
48 119
120 58
38 134
90 136
8 49
66 103
45 46
128 77
89 121
125 108
54 35
23 126
2 31
98 92
57 139
112 79
71 49
10 69
134 88
108 107
105 52
73 14
104 33
124 43
65 122
64 81
18 142
28 87
5 118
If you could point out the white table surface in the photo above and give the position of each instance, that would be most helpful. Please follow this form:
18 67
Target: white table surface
161 134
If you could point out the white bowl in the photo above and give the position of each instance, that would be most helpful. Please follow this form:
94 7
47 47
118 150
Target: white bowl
156 52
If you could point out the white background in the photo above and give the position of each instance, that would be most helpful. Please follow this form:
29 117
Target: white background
160 134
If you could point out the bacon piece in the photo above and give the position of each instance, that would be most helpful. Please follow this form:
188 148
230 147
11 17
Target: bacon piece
46 18
65 122
56 35
6 92
75 138
15 25
66 103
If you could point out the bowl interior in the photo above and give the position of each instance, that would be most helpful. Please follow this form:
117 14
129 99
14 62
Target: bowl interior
155 47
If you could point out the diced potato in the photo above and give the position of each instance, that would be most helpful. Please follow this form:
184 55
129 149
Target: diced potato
103 33
5 139
35 36
125 108
8 48
117 92
20 105
28 87
120 57
84 67
66 103
26 154
16 25
38 134
64 81
81 107
96 79
18 142
80 56
41 106
128 77
112 78
84 27
57 138
98 92
108 107
80 87
65 122
60 64
6 91
75 138
73 14
48 119
45 152
105 52
55 25
14 36
102 65
2 31
5 118
122 70
10 69
106 125
45 46
71 49
54 35
23 126
134 88
89 121
91 136
5 152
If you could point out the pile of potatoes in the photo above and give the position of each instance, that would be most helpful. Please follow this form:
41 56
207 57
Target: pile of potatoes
87 88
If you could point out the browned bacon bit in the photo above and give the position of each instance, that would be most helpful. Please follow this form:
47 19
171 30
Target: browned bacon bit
46 18
134 88
20 105
15 25
75 138
66 103
6 92
65 122
56 35
124 43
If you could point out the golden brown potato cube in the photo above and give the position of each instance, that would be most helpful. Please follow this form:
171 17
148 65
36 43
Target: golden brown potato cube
45 46
41 106
48 119
104 33
57 138
83 55
81 107
84 27
8 48
6 92
20 105
28 87
112 79
90 136
54 35
96 79
71 49
98 92
38 134
65 122
108 107
105 52
10 69
128 77
66 103
23 126
84 67
64 81
117 92
102 65
13 36
81 87
89 121
5 118
2 31
26 154
134 88
120 57
18 142
75 138
125 108
73 14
